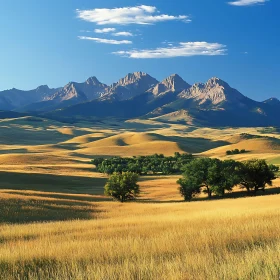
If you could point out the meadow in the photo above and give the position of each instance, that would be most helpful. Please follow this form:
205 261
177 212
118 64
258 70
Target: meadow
56 223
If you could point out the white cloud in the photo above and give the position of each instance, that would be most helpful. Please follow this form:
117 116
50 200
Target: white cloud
124 33
247 2
105 30
128 15
105 41
181 50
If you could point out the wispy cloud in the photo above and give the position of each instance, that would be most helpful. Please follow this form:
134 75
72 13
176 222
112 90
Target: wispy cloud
105 30
124 33
247 2
128 15
105 41
181 50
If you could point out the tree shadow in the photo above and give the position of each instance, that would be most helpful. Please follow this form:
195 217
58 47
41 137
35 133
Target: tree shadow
52 183
67 197
197 145
44 197
233 195
20 211
151 201
241 194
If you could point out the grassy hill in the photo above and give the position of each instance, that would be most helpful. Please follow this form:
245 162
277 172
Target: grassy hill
56 223
88 237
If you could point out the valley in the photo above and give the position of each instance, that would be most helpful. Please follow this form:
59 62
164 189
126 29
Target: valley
56 222
139 141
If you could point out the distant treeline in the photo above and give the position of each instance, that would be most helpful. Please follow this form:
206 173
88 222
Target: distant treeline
236 152
142 165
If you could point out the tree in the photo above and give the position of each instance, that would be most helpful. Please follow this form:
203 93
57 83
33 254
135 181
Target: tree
214 175
236 151
122 186
273 168
97 161
223 176
189 187
199 169
255 174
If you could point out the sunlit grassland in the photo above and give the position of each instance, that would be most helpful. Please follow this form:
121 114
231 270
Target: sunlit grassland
87 236
224 239
56 223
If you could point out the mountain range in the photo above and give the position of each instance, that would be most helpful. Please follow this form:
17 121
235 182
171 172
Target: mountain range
214 103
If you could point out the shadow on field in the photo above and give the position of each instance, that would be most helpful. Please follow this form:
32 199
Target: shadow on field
197 145
147 200
233 195
44 197
38 210
14 151
52 183
240 194
76 198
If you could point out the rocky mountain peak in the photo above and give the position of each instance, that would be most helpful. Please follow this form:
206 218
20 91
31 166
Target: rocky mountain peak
215 91
43 88
135 78
68 92
215 81
198 86
175 83
130 86
92 81
272 100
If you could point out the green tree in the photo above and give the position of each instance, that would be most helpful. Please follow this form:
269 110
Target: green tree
214 175
236 151
189 187
223 176
273 168
97 161
255 174
199 169
122 186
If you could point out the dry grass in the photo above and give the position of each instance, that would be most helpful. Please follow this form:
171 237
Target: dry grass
55 222
226 239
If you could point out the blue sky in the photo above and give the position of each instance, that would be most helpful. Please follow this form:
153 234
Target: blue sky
53 42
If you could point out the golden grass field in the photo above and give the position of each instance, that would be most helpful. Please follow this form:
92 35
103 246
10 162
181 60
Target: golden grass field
55 222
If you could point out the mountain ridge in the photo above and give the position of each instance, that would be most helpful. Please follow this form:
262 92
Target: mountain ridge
138 94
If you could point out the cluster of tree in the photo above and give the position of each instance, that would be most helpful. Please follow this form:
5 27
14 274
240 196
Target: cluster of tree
235 152
211 176
142 165
216 176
